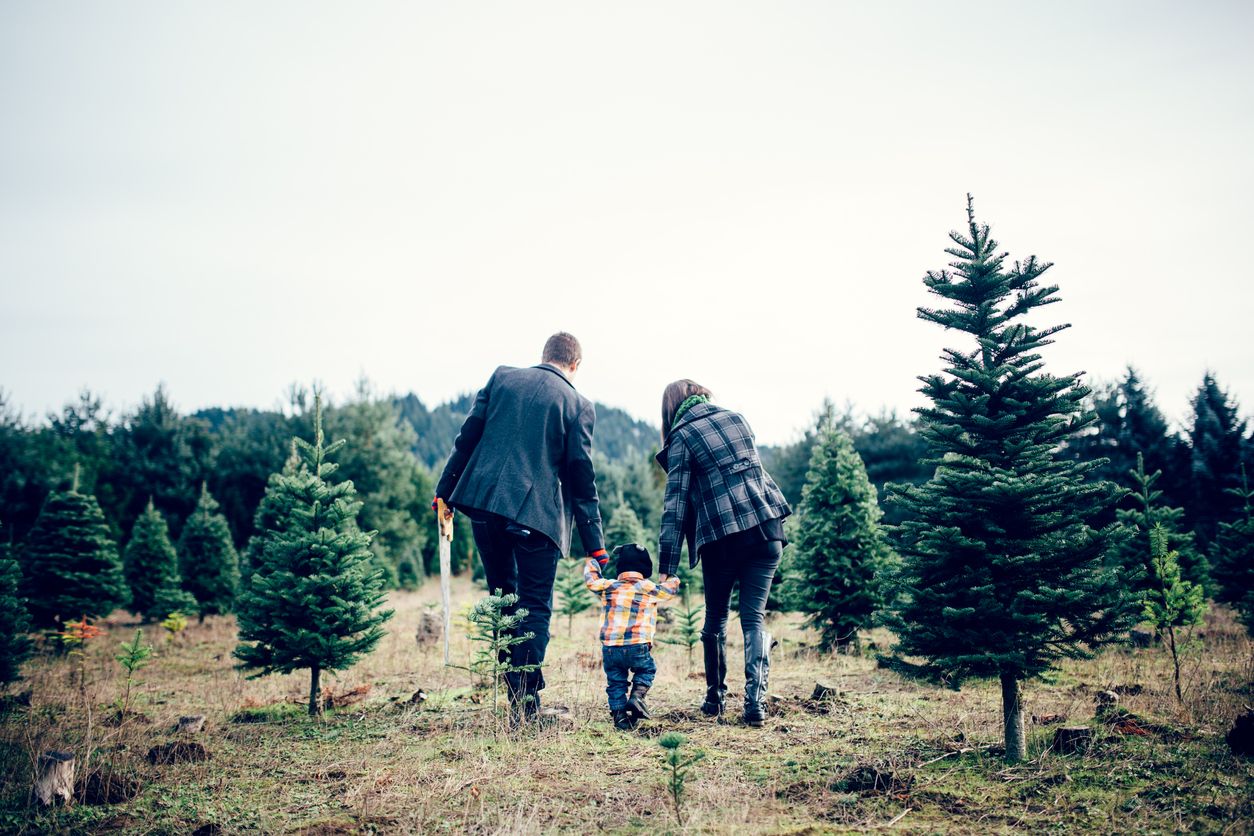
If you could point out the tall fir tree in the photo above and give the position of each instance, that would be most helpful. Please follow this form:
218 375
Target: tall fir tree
15 644
842 560
70 563
1003 575
625 527
312 601
1131 548
208 562
152 568
1234 557
1217 441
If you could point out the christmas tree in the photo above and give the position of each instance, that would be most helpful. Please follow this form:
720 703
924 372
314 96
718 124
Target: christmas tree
208 561
152 568
1173 606
1234 557
312 599
15 644
1132 549
572 594
842 560
1003 575
70 564
1217 439
625 527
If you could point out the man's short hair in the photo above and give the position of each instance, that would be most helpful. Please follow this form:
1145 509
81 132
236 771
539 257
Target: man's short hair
562 349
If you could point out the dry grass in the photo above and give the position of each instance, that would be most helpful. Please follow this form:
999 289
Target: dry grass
388 765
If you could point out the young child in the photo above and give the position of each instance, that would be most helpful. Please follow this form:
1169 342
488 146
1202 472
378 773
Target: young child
628 618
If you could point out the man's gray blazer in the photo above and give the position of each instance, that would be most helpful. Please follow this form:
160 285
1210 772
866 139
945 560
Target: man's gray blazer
525 453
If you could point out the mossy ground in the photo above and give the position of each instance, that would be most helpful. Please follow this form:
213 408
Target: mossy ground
887 751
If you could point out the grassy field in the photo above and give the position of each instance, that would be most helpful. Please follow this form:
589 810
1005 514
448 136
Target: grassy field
887 753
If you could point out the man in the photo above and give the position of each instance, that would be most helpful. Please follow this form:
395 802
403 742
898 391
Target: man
521 467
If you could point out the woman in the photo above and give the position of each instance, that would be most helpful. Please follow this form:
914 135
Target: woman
731 512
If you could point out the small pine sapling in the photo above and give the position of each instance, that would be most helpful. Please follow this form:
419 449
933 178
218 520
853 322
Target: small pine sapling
1172 603
493 622
135 655
174 624
687 630
679 768
573 596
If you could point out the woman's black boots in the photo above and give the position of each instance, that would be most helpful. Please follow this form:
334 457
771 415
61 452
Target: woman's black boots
757 672
715 675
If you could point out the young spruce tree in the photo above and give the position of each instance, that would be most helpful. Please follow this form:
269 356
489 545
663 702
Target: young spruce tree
1234 557
1002 574
208 561
842 560
70 564
313 598
152 568
15 644
1133 550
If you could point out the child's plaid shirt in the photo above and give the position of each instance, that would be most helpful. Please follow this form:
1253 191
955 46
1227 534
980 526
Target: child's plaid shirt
629 604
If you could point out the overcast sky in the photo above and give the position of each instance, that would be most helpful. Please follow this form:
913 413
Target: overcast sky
229 197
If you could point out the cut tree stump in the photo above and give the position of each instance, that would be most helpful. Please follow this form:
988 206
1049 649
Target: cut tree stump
1073 740
177 752
1141 638
1241 737
192 724
56 777
823 691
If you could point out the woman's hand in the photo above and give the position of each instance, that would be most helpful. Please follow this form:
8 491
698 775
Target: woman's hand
663 577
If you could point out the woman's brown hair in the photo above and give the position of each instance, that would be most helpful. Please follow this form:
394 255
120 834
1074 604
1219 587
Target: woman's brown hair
673 397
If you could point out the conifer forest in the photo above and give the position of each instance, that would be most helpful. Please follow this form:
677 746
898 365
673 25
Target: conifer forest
1027 606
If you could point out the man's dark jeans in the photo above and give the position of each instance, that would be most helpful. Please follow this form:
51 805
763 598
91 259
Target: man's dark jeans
522 562
619 661
753 565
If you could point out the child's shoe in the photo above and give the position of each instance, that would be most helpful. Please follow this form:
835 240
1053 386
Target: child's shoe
635 703
623 720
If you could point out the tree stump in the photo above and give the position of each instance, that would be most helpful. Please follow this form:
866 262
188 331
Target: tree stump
1241 737
430 628
192 724
1073 740
1141 638
56 777
823 691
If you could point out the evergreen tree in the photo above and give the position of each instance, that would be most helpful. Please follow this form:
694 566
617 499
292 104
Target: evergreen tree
1217 440
842 559
1173 604
312 600
572 594
1234 558
382 467
15 644
151 565
624 527
1132 550
1002 575
208 561
70 564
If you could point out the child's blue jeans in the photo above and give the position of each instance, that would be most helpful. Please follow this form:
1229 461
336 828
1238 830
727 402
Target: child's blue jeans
619 661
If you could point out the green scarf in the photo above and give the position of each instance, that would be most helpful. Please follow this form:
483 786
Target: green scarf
685 406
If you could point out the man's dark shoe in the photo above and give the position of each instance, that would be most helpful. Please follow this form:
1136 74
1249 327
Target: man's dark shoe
622 720
636 705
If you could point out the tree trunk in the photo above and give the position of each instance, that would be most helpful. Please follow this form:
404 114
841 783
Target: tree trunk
56 778
1012 715
315 693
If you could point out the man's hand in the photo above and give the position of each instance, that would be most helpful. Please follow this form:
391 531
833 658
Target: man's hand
444 516
663 577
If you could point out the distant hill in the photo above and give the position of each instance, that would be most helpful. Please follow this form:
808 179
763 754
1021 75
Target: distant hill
618 435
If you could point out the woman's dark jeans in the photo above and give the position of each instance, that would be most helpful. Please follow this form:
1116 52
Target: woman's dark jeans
753 567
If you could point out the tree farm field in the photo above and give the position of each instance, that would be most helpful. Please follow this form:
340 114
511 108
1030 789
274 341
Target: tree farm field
884 752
